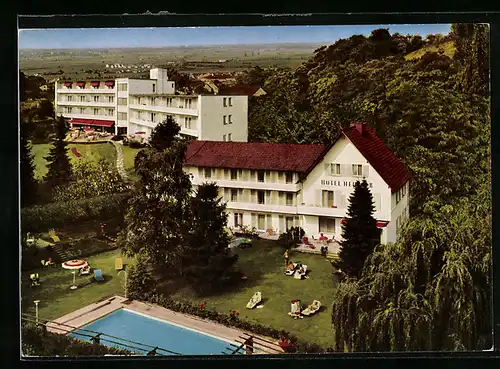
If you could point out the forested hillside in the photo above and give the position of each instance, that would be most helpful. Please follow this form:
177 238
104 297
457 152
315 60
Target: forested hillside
432 290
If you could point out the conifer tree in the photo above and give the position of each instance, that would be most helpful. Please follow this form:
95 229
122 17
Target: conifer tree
59 165
359 232
28 183
206 260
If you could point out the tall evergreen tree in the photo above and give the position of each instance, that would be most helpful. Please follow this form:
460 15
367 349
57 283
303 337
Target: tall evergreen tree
205 253
164 134
59 165
159 211
359 232
29 184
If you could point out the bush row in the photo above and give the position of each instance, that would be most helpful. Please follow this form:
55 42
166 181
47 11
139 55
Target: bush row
232 320
39 342
40 217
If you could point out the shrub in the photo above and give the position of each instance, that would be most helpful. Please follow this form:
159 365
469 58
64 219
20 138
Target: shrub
291 238
57 214
136 144
117 138
91 180
39 342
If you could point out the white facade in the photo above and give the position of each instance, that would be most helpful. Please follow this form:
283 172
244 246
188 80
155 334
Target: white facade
279 200
139 105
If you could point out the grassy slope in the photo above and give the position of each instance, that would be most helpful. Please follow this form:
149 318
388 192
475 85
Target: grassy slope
264 266
89 152
447 47
55 295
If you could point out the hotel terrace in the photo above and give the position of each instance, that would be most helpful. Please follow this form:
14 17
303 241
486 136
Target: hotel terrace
136 106
281 185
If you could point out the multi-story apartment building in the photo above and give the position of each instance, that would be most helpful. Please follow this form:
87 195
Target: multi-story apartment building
279 185
136 106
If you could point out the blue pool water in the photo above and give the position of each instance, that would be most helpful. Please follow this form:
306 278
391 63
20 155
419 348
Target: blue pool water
138 328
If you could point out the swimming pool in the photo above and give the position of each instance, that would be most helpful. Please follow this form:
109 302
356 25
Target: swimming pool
155 332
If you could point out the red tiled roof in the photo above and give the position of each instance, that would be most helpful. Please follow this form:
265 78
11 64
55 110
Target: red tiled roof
392 170
252 155
239 90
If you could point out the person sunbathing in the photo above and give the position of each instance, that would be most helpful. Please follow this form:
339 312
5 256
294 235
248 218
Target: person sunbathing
290 266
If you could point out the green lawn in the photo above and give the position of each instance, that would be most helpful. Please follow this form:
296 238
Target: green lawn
92 152
264 266
57 299
128 161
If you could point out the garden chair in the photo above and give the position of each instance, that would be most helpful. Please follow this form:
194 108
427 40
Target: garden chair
30 239
119 264
85 270
98 275
35 280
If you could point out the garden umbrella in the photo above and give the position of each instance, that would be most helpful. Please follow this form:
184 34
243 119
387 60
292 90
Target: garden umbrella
74 265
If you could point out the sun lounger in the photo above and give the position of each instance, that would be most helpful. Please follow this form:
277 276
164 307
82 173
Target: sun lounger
298 275
98 275
254 301
85 271
118 263
313 308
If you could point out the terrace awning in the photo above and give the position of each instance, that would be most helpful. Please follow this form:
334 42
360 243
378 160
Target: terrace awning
92 122
68 84
95 83
109 83
80 84
380 223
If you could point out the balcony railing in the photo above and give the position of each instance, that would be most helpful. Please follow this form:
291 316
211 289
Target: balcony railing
252 185
165 109
87 103
86 90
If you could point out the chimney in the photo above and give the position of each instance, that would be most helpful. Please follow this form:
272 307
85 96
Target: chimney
359 126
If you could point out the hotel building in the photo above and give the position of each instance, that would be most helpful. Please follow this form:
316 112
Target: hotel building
136 106
280 185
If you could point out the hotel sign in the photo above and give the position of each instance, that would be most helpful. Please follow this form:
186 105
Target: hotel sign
341 183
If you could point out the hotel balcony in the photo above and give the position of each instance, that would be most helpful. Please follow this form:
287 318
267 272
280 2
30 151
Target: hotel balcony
322 211
86 90
165 109
92 104
88 116
252 185
189 132
266 208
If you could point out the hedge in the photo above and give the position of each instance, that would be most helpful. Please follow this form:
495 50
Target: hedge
39 342
231 320
40 217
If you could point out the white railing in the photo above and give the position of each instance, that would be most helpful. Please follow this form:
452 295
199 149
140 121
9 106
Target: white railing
268 208
252 185
86 90
164 109
86 103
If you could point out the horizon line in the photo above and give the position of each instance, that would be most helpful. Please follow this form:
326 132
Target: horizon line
175 46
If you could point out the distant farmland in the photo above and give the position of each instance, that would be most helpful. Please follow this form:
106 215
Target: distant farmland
190 59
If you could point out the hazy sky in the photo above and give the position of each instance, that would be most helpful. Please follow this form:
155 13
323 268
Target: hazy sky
187 36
